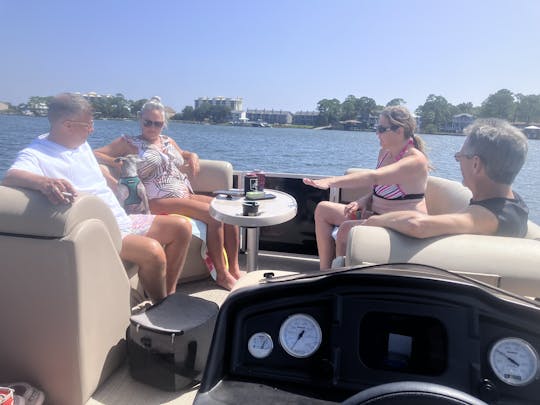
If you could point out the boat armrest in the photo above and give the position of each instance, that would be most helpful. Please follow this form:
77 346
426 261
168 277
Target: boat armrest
509 263
43 219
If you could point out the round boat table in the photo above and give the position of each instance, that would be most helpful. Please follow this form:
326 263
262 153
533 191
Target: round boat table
271 212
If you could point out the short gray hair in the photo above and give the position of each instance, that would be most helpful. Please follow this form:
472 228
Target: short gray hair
67 105
501 147
154 104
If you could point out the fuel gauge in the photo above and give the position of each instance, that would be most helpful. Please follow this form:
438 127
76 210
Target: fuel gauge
260 345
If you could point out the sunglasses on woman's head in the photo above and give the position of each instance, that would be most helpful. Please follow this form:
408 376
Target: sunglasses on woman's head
149 123
381 128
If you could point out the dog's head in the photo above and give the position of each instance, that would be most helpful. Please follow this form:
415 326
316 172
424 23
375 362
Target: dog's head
129 165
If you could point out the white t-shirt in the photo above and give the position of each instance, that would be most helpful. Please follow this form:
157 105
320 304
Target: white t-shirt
78 166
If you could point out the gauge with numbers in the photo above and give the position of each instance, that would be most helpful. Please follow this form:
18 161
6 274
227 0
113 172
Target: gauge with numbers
260 345
300 335
514 361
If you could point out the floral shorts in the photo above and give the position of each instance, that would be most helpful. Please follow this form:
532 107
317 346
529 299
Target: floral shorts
140 225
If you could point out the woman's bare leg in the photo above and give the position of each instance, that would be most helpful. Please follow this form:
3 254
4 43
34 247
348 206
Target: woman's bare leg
198 207
343 236
327 215
232 245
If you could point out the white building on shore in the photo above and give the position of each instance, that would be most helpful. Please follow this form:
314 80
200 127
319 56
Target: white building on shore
235 104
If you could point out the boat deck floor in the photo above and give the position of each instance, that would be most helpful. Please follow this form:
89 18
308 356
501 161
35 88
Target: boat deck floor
121 389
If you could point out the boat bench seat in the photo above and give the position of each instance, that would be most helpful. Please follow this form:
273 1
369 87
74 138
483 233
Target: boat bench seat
64 291
508 263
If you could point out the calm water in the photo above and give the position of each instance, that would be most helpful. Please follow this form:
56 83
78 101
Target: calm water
277 149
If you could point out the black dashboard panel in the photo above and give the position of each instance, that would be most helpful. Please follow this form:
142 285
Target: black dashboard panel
377 325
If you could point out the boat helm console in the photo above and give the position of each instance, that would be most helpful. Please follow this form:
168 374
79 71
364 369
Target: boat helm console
395 332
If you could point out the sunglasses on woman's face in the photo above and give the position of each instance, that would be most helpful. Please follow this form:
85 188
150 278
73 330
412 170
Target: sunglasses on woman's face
381 128
156 124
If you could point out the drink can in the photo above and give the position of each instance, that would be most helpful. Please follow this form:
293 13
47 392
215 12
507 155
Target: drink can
6 396
251 182
261 178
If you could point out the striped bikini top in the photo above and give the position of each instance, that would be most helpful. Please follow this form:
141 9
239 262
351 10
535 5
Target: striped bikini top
394 191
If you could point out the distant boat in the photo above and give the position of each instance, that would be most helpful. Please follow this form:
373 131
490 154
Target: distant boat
532 132
246 123
261 124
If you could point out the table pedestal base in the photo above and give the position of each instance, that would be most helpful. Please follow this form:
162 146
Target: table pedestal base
252 249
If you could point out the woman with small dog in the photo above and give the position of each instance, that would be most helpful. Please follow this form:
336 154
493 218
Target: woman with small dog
162 172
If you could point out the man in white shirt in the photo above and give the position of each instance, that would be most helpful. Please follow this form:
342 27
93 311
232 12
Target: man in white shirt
60 164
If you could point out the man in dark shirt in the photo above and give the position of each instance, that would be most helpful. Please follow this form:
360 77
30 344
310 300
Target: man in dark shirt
490 159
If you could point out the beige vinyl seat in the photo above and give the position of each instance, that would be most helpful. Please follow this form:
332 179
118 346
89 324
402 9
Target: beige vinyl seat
508 263
64 291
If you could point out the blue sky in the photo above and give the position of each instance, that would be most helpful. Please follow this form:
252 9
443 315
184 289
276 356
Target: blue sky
281 54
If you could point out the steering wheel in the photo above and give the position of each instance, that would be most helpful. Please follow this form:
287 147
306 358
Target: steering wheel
412 393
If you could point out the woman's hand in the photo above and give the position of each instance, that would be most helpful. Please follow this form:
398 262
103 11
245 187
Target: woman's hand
352 209
58 191
323 184
193 163
359 209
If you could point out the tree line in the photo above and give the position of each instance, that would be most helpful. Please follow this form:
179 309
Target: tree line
436 113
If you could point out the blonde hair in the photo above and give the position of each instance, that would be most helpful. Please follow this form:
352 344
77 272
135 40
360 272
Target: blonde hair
154 103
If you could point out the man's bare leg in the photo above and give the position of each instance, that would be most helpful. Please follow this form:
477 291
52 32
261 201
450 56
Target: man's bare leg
174 233
149 255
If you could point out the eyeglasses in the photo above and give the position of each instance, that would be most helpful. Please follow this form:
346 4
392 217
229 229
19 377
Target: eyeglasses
156 124
88 125
460 155
381 128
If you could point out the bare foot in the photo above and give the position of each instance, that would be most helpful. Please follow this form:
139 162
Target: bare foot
237 274
226 281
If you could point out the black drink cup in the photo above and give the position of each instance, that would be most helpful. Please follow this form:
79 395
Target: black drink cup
250 208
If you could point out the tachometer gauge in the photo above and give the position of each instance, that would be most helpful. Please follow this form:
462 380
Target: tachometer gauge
514 361
300 335
260 345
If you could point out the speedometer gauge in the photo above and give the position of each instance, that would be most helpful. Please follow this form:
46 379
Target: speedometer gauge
300 335
514 361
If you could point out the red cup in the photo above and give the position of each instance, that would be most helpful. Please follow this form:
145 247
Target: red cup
261 180
6 396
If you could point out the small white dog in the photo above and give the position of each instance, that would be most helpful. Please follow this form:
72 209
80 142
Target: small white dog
131 191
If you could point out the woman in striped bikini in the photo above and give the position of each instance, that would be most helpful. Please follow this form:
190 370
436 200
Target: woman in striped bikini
397 183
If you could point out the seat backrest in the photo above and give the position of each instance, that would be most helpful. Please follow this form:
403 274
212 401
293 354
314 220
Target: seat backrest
214 175
445 196
64 294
